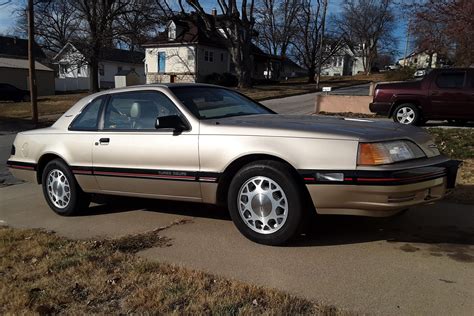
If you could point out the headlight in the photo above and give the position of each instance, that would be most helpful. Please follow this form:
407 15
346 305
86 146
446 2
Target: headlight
387 152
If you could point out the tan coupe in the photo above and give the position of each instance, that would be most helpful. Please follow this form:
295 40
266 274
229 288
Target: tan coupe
209 144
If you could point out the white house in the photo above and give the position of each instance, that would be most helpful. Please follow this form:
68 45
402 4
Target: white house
185 53
74 72
345 63
421 60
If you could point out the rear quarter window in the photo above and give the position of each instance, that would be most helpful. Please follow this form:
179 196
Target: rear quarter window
88 119
451 80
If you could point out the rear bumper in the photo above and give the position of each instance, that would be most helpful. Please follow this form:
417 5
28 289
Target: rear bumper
380 108
382 193
23 170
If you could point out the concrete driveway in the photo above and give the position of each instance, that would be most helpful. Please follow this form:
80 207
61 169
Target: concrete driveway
418 263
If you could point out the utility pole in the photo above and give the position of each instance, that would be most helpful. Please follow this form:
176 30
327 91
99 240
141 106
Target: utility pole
321 44
407 43
31 60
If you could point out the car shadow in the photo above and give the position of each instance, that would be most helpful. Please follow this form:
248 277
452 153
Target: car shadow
447 124
437 226
117 204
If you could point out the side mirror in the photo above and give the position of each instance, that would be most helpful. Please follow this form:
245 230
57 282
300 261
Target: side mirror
171 121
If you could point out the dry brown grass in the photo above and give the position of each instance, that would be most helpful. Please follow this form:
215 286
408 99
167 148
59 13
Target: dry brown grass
464 192
55 104
41 272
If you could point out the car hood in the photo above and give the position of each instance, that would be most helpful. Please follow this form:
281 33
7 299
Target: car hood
313 126
304 126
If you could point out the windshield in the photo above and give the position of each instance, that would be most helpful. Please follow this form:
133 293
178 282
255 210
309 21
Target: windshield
213 102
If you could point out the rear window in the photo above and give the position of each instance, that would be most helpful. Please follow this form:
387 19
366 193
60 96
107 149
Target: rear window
450 80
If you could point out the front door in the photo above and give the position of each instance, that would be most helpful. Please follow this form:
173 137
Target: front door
132 157
449 95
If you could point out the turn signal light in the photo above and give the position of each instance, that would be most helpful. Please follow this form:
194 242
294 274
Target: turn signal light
372 154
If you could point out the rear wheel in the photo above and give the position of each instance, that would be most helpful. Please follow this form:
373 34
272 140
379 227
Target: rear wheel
61 190
265 203
407 114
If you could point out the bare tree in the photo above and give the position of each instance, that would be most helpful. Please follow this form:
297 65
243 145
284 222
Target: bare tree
140 21
236 23
276 24
98 29
444 27
310 47
367 25
55 24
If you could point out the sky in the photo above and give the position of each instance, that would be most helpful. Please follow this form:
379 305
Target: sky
7 19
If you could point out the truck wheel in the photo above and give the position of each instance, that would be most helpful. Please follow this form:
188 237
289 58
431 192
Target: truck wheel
407 114
265 202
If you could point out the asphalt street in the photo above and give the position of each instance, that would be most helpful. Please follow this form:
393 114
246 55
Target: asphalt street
418 263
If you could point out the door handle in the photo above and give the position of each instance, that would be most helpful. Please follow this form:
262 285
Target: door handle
104 140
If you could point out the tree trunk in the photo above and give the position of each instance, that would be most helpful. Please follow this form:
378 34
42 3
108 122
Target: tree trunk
244 74
243 65
311 74
94 75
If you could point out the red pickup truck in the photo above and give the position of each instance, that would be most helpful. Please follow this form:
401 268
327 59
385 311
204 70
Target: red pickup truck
443 94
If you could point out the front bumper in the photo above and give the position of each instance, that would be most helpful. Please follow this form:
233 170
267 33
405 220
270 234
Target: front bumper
382 193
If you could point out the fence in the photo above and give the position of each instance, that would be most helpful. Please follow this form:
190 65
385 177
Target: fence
71 84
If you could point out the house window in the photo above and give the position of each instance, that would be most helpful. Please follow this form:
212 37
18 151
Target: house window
101 69
63 68
222 57
161 62
119 68
172 31
208 56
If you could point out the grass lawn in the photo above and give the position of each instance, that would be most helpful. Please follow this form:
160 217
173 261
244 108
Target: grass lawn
43 273
458 143
48 105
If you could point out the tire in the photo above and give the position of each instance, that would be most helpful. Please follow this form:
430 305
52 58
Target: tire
407 114
279 212
61 191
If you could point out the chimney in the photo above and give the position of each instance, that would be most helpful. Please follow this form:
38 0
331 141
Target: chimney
214 12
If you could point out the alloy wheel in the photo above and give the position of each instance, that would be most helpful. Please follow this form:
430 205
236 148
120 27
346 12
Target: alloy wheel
262 205
59 190
405 115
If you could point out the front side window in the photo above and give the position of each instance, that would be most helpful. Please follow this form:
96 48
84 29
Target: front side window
88 119
450 80
137 110
212 103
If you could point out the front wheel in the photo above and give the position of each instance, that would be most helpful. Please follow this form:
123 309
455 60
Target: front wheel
407 114
61 190
265 203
